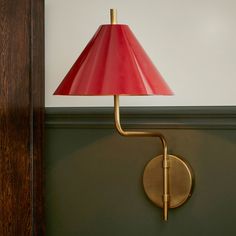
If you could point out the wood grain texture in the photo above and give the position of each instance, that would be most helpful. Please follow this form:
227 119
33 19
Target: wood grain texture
37 99
20 118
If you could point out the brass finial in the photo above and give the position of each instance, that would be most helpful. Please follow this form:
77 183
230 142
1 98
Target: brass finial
113 15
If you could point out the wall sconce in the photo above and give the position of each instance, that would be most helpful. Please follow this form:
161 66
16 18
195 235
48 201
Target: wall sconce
114 63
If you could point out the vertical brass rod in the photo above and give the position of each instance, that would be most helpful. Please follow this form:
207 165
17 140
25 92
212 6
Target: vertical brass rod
113 16
166 197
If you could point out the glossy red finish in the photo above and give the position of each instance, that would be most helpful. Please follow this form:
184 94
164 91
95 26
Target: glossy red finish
113 63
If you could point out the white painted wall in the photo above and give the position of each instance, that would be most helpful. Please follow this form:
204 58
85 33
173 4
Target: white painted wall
192 43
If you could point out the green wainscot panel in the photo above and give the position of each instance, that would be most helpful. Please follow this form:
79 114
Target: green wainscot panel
94 183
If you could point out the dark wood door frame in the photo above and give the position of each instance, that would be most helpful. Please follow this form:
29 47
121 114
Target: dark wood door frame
21 117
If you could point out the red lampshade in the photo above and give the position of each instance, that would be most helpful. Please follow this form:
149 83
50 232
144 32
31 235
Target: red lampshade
113 63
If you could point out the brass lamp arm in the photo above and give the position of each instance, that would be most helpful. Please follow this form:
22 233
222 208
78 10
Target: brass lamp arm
134 133
147 134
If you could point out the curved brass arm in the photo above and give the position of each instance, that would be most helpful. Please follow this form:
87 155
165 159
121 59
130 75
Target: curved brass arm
147 134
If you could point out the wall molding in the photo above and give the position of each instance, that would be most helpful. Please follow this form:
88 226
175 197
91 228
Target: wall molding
221 117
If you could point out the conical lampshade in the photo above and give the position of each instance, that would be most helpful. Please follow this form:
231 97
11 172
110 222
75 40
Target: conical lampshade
113 63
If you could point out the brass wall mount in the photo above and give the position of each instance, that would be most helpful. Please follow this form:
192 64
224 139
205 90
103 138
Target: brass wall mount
180 181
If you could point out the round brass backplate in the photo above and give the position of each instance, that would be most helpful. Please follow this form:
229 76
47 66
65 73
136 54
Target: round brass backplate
180 181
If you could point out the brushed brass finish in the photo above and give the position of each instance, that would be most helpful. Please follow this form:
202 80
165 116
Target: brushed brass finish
113 16
180 181
165 196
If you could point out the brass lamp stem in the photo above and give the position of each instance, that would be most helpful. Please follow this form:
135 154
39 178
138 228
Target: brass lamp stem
166 198
113 15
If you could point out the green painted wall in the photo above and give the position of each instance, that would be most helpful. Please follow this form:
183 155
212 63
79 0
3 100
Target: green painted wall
93 175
